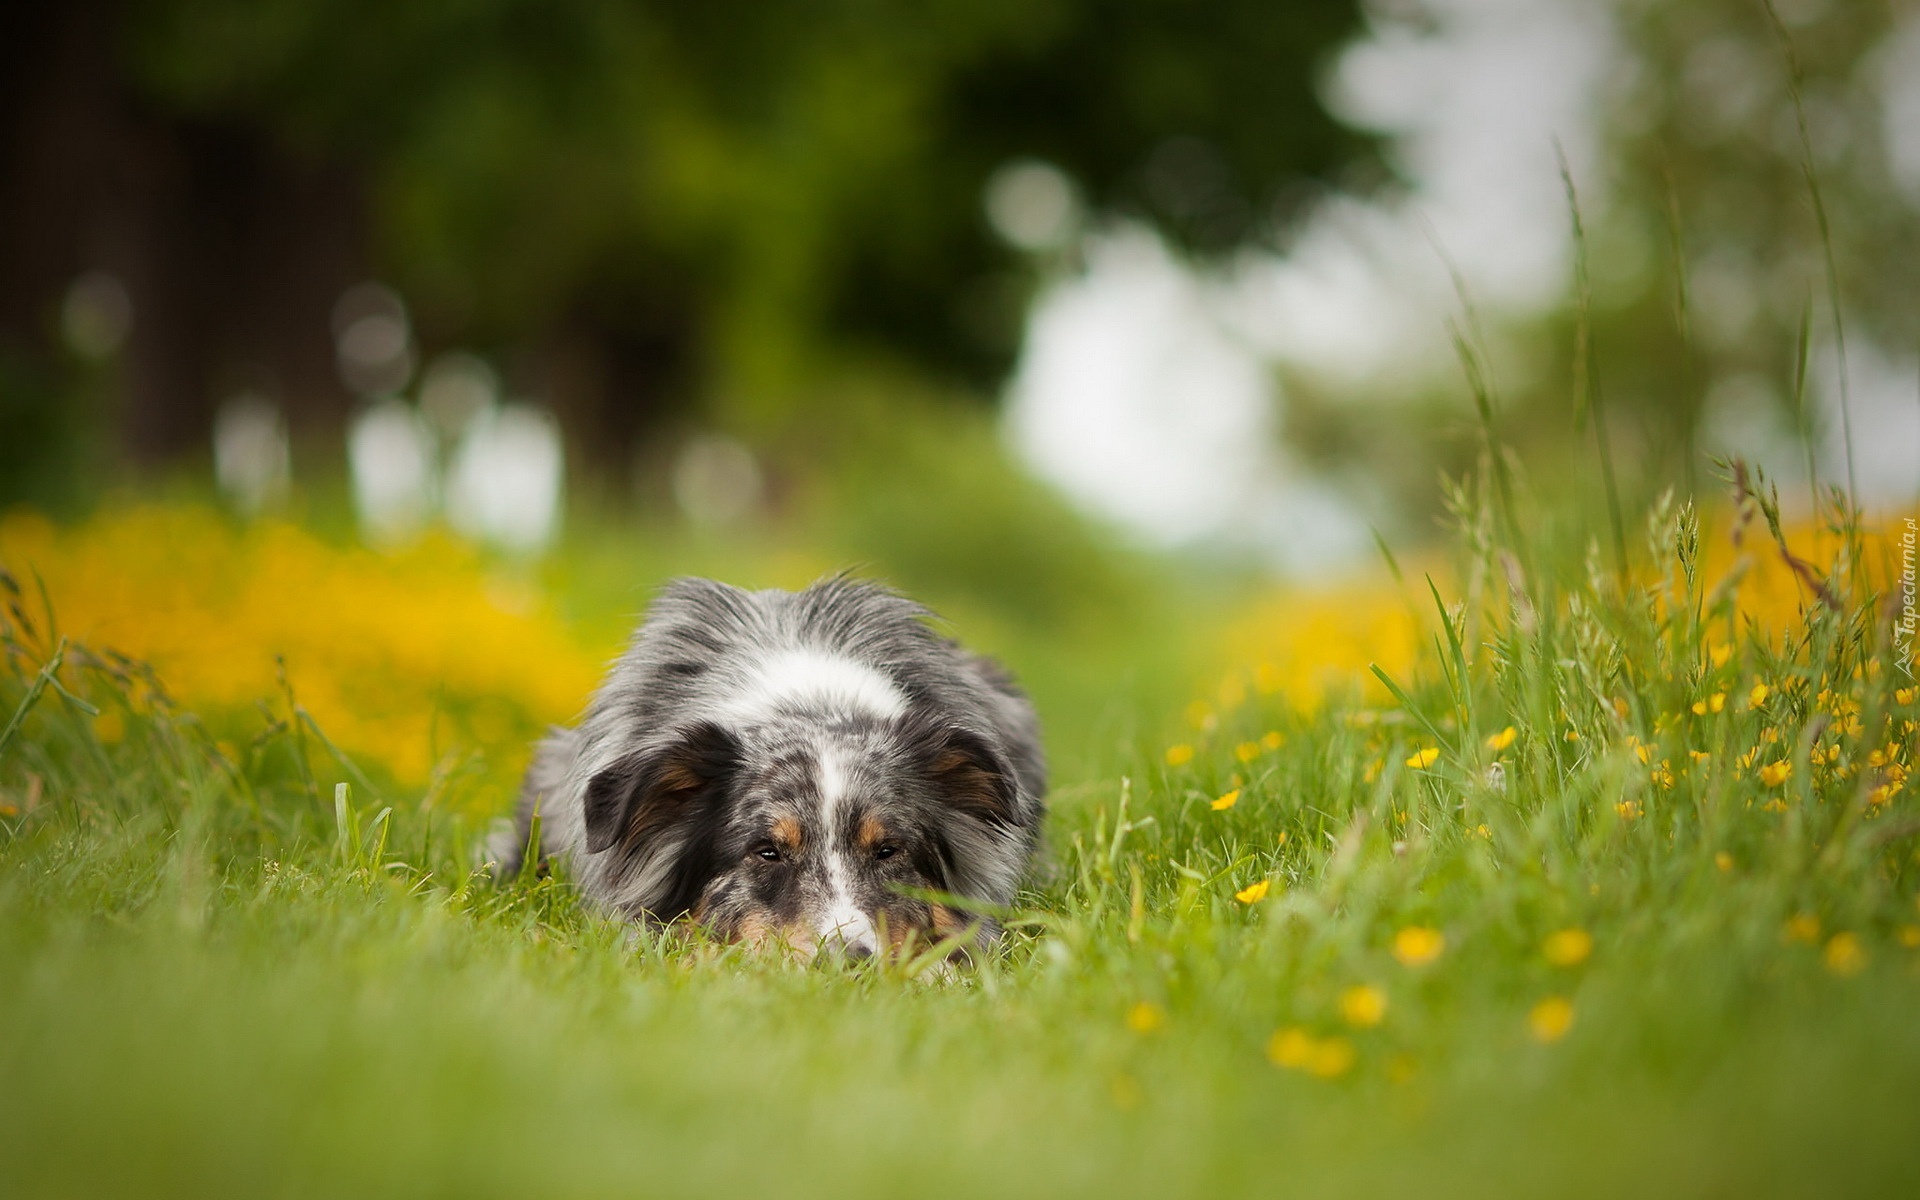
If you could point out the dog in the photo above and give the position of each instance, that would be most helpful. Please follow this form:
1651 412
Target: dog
798 769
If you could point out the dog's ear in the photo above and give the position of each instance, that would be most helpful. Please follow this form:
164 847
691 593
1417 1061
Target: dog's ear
651 790
969 775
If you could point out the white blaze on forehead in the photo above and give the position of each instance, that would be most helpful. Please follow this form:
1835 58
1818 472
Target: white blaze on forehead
820 678
842 923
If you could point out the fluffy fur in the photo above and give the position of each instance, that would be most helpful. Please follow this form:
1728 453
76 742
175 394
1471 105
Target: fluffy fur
777 765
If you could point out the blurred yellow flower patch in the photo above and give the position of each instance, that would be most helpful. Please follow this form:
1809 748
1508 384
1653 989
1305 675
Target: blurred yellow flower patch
1416 945
392 654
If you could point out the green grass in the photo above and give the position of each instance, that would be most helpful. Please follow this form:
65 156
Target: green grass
213 979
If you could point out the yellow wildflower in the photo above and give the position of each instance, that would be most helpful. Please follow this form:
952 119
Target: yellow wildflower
1331 1058
1503 739
1227 801
1484 832
1180 755
1417 945
1662 775
1620 708
1551 1018
1272 739
1699 756
1146 1017
1775 773
1775 805
1568 947
1802 927
1253 893
1424 758
1571 735
1721 652
1758 695
1373 770
1297 1050
1639 751
1909 936
1843 955
1904 695
1290 1048
1628 809
1723 860
1363 1006
1247 751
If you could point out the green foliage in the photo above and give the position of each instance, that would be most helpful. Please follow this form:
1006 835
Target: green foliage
767 176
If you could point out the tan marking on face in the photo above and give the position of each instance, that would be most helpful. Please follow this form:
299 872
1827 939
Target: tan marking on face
946 922
872 833
787 834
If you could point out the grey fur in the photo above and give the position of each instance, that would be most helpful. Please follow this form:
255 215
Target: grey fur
686 687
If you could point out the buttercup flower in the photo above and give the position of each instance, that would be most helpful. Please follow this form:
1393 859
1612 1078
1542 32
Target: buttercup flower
1363 1006
1551 1018
1424 758
1227 801
1254 893
1503 739
1568 947
1416 945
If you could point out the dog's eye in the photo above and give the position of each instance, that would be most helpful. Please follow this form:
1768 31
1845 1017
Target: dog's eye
768 852
886 852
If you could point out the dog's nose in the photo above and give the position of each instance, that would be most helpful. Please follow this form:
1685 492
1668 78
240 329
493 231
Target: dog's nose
859 951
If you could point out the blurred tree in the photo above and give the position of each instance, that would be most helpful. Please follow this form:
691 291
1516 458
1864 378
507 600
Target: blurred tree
638 206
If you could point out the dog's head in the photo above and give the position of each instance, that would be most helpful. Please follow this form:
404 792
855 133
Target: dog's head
814 837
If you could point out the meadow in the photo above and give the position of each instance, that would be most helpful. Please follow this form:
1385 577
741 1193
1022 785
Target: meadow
1546 867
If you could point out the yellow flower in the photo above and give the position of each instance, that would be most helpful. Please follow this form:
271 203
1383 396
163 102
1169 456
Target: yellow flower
1802 927
1639 751
1145 1017
1775 805
1424 758
1723 860
1551 1018
1568 947
1363 1006
1417 945
1699 756
1179 756
1297 1050
1332 1057
1628 809
1484 832
1571 735
1775 773
1909 936
1272 739
1247 751
1253 893
1503 739
1290 1048
1373 770
1904 695
1758 695
1227 801
1721 652
1843 955
1662 775
1620 708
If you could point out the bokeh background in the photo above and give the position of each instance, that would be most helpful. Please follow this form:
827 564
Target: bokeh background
374 361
